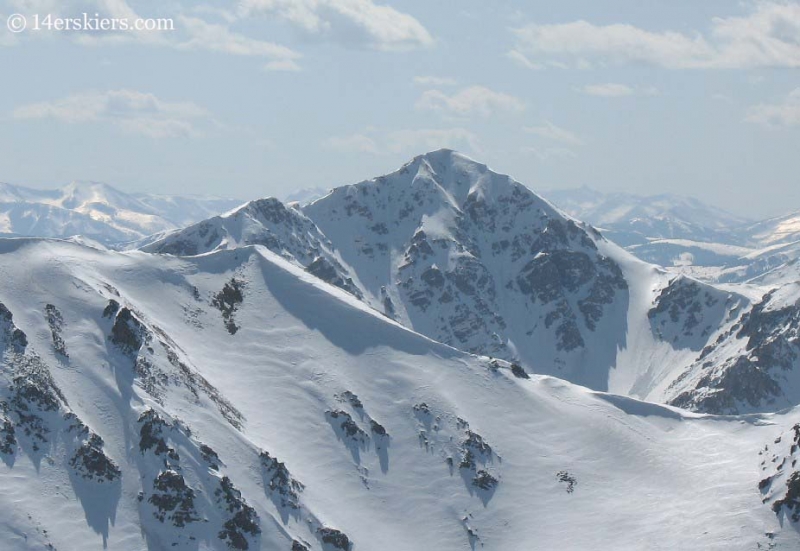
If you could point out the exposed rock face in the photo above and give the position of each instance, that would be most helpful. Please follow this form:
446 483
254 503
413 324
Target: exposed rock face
56 323
687 312
12 338
128 332
781 486
90 462
473 259
242 523
334 538
173 500
346 427
227 301
280 483
750 365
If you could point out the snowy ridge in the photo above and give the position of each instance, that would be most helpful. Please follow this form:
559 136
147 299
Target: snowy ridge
471 258
353 433
268 222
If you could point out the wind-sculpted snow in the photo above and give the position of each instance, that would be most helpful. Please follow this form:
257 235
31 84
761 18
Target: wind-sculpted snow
451 450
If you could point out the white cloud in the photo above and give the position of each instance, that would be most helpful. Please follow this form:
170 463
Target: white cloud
190 33
765 37
616 90
358 23
434 81
522 60
550 131
219 38
783 114
130 110
468 101
286 65
376 142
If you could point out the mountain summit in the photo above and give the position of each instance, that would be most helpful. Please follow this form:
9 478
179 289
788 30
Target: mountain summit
366 372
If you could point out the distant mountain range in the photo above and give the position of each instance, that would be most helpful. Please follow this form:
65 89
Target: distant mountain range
99 212
684 233
435 358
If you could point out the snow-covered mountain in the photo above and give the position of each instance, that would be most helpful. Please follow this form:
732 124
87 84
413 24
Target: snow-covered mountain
268 222
686 235
630 219
230 400
99 212
473 259
774 231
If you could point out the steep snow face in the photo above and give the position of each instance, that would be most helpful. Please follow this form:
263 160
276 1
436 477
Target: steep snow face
268 222
474 259
318 424
98 212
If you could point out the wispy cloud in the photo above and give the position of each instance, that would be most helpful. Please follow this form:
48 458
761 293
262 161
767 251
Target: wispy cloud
377 142
550 131
765 37
434 81
616 90
356 23
130 110
776 115
473 100
214 37
522 60
190 32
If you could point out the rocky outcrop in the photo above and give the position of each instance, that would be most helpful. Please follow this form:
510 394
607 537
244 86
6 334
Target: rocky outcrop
747 366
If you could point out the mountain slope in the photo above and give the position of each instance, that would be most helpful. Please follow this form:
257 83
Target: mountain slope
474 259
384 438
268 222
778 230
471 258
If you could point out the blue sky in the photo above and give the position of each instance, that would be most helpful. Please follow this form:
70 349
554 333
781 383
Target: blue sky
261 97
